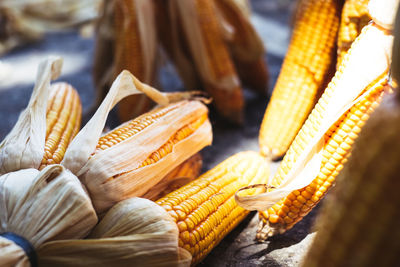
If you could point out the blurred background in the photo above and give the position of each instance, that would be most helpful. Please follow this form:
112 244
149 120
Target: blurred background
24 42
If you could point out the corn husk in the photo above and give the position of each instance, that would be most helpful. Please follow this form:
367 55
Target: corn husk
124 158
186 11
42 206
372 47
28 20
23 147
114 53
383 12
245 44
135 232
178 177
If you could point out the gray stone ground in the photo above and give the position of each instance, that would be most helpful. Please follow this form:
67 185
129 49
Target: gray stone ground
272 19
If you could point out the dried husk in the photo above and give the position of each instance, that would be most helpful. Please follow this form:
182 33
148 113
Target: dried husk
135 232
114 53
28 20
42 206
245 44
23 147
372 48
124 158
383 12
186 11
178 177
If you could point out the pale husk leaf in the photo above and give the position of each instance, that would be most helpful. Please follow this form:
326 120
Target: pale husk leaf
43 205
124 158
148 37
369 58
383 12
135 232
186 10
23 147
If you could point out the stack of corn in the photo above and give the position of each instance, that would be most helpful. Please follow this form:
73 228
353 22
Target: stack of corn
183 228
367 184
324 143
306 70
212 43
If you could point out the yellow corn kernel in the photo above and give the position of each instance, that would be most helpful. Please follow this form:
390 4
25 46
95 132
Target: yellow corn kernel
333 152
355 16
63 120
207 207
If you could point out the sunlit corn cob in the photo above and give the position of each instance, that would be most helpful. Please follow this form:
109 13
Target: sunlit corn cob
225 88
63 120
128 55
307 68
163 138
359 223
354 17
338 140
178 177
205 210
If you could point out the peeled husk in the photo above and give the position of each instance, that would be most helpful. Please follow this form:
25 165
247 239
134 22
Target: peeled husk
135 232
246 45
42 206
186 11
372 48
23 147
124 158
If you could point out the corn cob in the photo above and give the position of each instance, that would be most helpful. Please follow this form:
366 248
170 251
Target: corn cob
163 139
171 36
246 47
178 177
128 55
217 70
254 75
354 17
63 120
369 182
305 72
340 137
205 210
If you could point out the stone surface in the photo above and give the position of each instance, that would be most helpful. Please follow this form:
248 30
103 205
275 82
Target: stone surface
272 19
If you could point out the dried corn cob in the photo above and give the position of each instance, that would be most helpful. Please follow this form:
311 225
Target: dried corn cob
171 36
178 177
304 74
340 137
369 182
246 46
162 138
254 75
211 56
130 54
205 210
354 17
63 120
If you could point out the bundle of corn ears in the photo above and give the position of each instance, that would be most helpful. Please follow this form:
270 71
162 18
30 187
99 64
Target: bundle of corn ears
324 143
86 174
212 44
26 20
